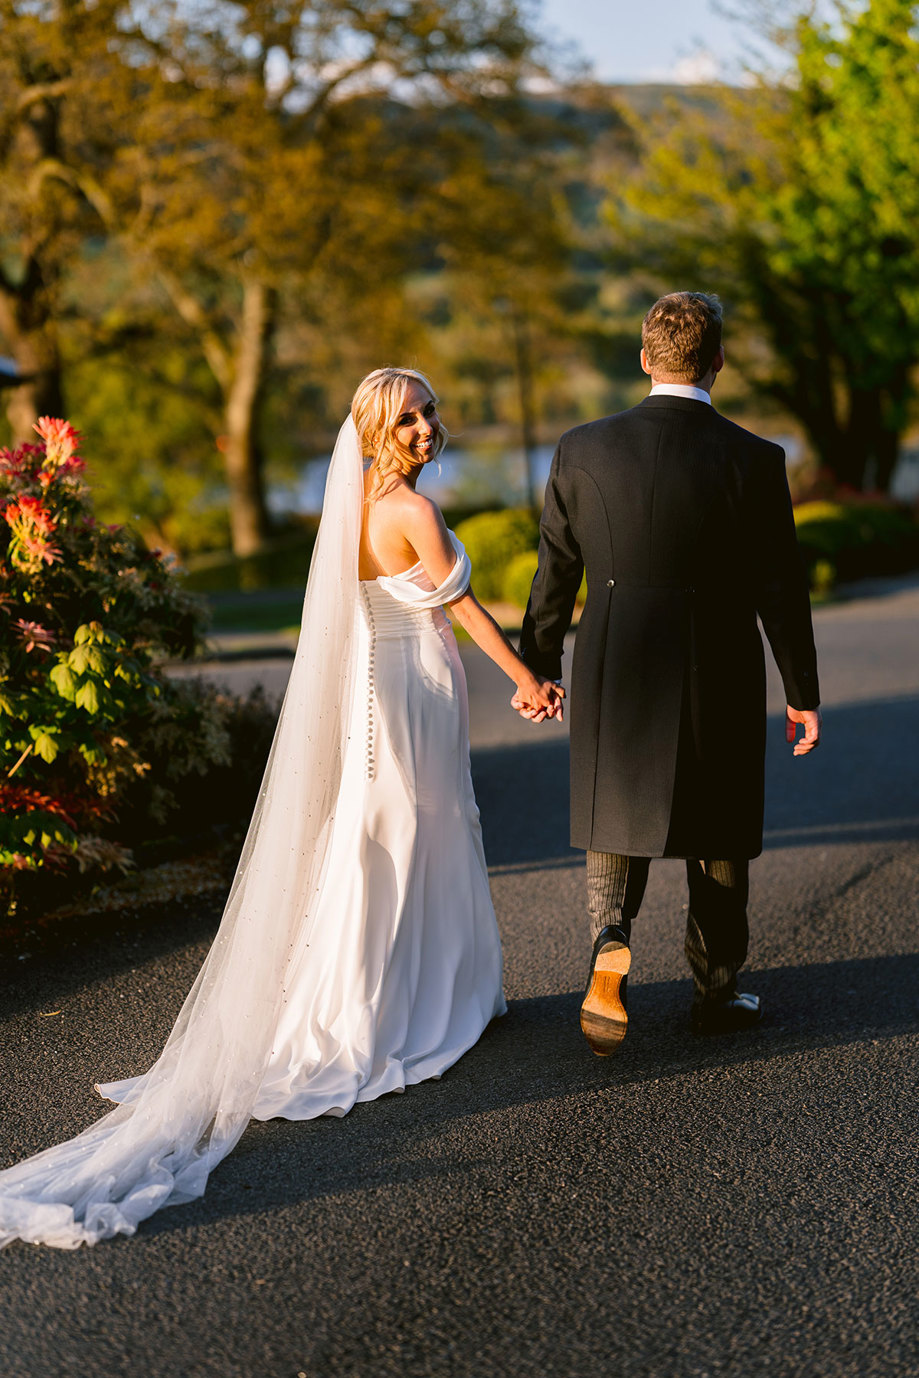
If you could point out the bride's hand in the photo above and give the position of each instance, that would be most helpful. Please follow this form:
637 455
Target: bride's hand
537 699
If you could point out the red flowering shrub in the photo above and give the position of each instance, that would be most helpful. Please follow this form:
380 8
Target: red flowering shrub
87 716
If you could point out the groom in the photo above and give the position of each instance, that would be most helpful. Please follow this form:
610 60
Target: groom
684 526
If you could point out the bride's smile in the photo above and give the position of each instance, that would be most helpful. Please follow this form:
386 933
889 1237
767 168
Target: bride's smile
418 425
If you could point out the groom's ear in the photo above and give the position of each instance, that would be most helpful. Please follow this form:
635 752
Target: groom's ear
646 367
718 361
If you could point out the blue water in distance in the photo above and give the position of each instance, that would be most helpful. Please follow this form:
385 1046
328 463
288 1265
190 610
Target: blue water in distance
473 477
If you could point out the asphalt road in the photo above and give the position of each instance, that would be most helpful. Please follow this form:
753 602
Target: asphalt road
734 1206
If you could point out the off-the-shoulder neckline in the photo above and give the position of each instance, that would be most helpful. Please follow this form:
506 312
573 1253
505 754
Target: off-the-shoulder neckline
401 575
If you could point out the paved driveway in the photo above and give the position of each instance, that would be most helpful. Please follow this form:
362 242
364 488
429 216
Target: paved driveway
742 1205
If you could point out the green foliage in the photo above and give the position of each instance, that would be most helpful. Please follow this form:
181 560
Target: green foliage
800 203
267 163
29 819
56 64
88 720
216 789
838 540
283 563
518 578
150 408
222 224
492 539
841 541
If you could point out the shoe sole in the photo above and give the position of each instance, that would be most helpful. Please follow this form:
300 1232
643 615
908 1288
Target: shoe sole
604 1020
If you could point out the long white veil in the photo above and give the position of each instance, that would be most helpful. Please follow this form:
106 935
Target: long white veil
178 1120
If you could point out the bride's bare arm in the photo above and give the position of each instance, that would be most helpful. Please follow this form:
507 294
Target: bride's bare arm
532 691
424 527
428 534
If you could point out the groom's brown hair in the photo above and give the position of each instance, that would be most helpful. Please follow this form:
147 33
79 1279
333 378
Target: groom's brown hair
681 335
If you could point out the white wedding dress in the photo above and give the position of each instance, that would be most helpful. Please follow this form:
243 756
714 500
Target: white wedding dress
408 971
358 953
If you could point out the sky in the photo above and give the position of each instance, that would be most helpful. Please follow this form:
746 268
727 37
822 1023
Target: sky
653 40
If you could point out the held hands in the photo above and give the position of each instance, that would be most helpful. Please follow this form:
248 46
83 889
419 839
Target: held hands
808 718
537 699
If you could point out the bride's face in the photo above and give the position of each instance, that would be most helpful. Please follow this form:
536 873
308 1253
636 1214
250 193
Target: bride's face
418 424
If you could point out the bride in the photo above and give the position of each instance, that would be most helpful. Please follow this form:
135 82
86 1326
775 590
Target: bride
358 952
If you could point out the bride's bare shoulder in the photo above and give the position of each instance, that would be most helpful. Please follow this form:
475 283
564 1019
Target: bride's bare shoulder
403 506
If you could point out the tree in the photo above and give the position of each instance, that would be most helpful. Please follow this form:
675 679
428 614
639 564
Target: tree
799 200
54 61
264 161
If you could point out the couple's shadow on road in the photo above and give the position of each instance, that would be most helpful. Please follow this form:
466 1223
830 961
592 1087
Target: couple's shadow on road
535 1057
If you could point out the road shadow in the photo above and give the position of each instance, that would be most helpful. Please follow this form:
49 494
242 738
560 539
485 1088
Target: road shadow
522 793
91 946
97 947
536 1056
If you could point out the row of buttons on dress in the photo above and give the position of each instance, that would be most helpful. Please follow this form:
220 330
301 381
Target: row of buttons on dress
370 764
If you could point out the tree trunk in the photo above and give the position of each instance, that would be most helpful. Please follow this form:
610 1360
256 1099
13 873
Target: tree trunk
28 302
799 328
249 521
35 350
812 403
867 442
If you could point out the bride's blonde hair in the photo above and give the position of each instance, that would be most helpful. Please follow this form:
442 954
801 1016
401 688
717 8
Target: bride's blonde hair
376 407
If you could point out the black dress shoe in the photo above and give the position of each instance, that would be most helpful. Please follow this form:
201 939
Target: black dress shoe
726 1014
603 1014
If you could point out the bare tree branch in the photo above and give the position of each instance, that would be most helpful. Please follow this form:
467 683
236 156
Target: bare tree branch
49 90
83 182
190 309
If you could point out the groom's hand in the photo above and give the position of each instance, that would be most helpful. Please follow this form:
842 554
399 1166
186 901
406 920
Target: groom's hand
808 718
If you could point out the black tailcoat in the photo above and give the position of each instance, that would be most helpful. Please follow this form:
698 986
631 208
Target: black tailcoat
684 525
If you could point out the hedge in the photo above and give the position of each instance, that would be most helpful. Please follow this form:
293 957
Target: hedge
492 539
854 540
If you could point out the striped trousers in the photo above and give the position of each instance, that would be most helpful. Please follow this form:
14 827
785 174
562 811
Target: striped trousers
716 926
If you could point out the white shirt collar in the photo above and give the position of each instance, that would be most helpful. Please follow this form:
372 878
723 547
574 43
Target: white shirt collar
680 390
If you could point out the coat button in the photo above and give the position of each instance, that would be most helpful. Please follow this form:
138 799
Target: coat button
611 583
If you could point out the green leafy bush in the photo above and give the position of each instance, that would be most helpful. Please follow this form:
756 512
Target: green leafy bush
518 578
91 728
217 795
853 540
492 539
